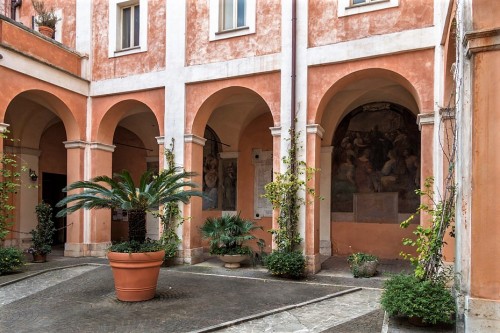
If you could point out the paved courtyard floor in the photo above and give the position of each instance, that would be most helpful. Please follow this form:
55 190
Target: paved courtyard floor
77 295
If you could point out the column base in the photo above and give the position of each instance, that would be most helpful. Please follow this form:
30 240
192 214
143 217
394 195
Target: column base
192 256
313 263
325 248
86 250
482 315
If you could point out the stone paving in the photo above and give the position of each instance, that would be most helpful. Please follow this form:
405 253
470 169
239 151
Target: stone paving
201 298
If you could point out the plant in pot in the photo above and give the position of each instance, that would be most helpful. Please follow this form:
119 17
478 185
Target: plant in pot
43 235
227 235
136 262
46 18
362 264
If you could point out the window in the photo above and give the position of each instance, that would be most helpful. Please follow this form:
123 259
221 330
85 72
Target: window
232 14
352 7
231 18
127 27
130 25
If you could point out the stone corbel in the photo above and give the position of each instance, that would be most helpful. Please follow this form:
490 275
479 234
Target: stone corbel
191 138
315 129
425 119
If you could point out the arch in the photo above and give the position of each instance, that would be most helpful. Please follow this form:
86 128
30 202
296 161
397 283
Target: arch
120 111
35 111
363 87
203 98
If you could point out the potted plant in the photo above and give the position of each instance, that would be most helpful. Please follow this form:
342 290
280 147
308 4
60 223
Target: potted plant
226 235
43 235
46 19
136 262
362 264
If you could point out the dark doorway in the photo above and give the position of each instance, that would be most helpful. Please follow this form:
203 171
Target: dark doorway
52 185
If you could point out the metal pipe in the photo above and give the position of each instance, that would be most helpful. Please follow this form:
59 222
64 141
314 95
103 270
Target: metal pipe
13 5
294 62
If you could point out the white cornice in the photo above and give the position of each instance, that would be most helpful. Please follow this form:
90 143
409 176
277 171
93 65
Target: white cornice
102 146
275 131
315 129
74 144
425 119
191 138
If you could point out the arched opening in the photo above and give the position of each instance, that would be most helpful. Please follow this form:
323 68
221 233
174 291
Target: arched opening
39 124
237 154
371 163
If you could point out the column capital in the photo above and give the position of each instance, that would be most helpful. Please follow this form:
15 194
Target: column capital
481 41
102 146
74 144
191 138
3 127
275 131
160 140
315 129
425 119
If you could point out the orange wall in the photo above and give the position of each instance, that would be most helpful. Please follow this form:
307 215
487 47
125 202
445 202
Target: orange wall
266 40
485 14
255 136
53 156
144 62
382 240
326 28
485 224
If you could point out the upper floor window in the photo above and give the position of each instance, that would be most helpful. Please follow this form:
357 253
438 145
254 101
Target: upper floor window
233 14
127 27
352 7
130 25
231 18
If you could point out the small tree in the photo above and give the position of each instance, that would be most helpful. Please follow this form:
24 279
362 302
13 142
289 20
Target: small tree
42 236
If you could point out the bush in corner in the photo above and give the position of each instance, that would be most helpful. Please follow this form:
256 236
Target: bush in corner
11 259
286 264
408 296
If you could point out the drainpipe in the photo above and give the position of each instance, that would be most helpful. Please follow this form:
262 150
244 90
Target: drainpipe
294 62
13 5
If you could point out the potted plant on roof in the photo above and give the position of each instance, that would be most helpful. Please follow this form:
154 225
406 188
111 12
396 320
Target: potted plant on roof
136 262
227 235
42 236
46 19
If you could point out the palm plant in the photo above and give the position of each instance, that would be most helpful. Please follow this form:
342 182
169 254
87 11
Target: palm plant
227 234
120 192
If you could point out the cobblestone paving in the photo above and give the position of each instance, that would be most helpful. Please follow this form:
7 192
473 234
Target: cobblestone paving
27 287
316 317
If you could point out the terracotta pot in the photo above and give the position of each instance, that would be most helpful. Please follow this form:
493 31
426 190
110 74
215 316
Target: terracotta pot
46 31
135 274
39 258
232 260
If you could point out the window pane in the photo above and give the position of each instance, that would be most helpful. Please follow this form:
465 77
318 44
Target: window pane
355 2
241 13
137 23
126 27
228 14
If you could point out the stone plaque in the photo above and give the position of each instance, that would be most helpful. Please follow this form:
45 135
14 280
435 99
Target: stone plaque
376 207
263 164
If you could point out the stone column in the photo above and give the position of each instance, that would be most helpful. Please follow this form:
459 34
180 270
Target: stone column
192 250
74 246
426 126
276 133
325 192
312 235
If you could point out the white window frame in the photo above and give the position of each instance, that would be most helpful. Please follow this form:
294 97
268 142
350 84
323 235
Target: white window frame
346 7
216 12
115 8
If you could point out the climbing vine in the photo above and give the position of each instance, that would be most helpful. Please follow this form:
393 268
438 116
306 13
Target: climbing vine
283 193
170 216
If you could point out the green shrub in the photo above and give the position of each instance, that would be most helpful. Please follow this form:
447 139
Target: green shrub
408 296
286 264
11 259
134 246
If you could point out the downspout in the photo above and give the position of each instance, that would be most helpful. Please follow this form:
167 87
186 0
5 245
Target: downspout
294 79
13 5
